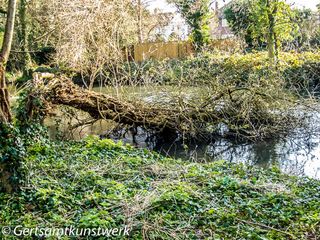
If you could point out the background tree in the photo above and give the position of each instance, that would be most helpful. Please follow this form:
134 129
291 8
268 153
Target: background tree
270 21
34 37
197 15
236 14
308 26
92 34
274 20
315 39
140 19
23 37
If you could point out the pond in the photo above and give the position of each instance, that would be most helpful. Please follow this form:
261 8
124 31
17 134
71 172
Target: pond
296 154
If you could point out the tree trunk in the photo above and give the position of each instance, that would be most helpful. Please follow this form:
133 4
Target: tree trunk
139 10
23 38
62 91
5 114
7 166
276 47
271 40
273 46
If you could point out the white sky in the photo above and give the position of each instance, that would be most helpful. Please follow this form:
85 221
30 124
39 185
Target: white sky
163 5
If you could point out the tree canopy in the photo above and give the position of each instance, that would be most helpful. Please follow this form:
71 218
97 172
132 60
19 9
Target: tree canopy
265 21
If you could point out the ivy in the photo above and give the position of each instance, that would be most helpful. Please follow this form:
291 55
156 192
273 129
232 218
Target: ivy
94 183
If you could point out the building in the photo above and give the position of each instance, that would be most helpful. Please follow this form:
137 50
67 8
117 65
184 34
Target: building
219 25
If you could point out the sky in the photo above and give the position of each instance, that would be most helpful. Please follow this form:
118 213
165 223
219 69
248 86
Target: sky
163 5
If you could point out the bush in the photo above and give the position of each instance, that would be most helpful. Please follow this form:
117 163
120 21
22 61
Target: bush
299 70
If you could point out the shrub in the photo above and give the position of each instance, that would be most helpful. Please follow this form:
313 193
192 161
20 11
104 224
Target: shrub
298 70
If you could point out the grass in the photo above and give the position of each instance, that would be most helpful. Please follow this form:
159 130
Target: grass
99 183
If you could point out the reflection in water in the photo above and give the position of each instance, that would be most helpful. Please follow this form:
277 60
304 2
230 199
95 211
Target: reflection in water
297 154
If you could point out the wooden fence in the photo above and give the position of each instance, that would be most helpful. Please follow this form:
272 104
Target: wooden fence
174 50
161 50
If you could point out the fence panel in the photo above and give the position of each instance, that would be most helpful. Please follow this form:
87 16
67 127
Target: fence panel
160 51
177 50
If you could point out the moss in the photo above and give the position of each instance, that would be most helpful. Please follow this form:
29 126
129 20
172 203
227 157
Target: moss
101 183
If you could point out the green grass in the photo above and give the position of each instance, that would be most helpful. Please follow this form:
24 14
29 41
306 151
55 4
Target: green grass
97 183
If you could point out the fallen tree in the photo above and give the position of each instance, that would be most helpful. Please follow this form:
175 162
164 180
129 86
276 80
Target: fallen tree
61 90
246 111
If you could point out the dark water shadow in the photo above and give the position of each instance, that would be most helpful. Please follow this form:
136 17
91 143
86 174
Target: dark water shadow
296 154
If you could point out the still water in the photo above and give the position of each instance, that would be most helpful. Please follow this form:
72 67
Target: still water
296 154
